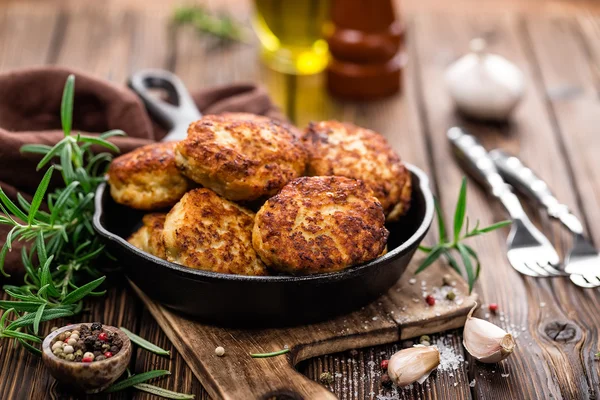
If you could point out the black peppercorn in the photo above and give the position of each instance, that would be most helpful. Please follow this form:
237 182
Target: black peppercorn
89 341
386 380
117 341
96 326
114 349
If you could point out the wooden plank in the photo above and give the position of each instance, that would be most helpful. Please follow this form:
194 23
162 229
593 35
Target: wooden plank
576 116
106 45
38 27
381 322
523 300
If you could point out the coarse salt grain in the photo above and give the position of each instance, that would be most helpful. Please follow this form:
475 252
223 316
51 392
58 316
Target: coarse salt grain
412 281
472 383
449 360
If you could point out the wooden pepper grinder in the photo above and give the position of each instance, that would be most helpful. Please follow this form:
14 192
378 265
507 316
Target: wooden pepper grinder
366 49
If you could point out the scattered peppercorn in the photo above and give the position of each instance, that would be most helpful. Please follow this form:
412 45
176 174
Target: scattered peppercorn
451 295
430 300
384 364
220 351
386 380
425 340
353 352
447 280
326 378
85 345
493 307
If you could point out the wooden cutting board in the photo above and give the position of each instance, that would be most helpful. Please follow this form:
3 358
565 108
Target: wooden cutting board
400 314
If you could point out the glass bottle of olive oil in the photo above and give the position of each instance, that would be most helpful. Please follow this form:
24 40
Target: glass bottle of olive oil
292 34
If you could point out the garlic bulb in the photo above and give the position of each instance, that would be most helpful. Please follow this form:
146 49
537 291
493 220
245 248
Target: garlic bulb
413 364
485 341
484 85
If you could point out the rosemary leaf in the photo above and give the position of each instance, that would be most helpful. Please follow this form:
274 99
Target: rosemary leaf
464 253
66 107
452 261
38 197
12 207
493 227
143 343
21 306
136 379
38 318
167 394
20 335
273 354
47 315
33 350
433 255
461 208
99 141
440 221
83 291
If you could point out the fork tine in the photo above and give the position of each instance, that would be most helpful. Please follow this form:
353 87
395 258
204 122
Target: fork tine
548 267
533 265
581 282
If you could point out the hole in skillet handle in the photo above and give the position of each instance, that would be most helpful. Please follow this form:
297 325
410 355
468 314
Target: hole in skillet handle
264 301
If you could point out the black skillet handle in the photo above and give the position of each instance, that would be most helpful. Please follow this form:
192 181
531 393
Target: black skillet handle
176 116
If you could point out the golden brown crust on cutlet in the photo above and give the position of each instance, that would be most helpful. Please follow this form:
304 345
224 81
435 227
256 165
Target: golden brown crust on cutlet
149 237
147 178
205 231
320 224
344 149
242 157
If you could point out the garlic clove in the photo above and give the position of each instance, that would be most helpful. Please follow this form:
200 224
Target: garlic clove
484 85
413 364
485 341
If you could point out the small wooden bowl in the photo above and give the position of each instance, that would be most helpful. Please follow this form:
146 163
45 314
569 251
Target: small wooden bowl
86 377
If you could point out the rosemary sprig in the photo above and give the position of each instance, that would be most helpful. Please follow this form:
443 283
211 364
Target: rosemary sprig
143 343
272 354
467 254
221 26
136 379
63 246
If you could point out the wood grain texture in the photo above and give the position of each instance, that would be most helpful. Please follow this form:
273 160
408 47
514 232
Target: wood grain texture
554 130
554 368
400 314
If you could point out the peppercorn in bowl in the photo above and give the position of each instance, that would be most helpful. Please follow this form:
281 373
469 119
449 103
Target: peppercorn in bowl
87 357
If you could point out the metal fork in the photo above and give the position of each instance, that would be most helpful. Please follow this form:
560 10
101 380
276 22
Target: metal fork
529 251
583 260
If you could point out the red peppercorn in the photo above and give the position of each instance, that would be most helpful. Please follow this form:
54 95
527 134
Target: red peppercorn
493 307
384 364
430 300
102 336
86 359
108 354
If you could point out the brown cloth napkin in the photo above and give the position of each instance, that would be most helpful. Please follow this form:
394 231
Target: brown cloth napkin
30 113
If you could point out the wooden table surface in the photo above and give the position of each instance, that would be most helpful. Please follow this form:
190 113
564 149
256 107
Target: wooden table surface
555 130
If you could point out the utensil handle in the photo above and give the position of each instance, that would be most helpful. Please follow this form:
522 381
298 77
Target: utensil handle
527 182
474 159
175 115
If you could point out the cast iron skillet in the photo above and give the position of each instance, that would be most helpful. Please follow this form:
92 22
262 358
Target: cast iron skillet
235 300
